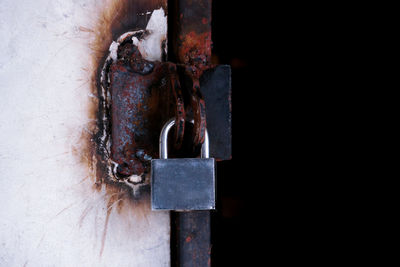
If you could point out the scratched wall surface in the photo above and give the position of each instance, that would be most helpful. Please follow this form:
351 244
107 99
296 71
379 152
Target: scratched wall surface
55 208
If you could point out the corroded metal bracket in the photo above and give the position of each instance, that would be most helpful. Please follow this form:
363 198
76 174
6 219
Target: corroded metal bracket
139 95
144 94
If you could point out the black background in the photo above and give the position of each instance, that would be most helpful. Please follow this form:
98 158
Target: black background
288 195
236 38
271 195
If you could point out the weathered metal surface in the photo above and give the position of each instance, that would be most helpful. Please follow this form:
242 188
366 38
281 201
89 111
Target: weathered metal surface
215 85
193 34
192 48
183 184
197 105
144 95
192 235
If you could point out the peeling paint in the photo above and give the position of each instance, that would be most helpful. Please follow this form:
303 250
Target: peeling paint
151 46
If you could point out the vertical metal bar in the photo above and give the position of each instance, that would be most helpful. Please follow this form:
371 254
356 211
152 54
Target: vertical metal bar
193 239
191 45
193 33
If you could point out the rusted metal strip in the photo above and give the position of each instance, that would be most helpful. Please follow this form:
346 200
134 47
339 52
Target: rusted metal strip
191 41
193 239
193 32
192 48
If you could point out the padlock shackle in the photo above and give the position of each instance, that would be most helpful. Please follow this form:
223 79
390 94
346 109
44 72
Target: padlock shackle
163 142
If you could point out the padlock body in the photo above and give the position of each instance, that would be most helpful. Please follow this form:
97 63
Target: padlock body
183 184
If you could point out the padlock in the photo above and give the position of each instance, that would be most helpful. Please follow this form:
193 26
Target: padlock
182 184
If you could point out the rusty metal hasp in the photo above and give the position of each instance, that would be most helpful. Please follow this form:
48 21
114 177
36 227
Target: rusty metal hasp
145 94
140 95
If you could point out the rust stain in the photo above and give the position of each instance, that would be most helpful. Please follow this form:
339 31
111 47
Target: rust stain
192 45
84 29
188 239
112 19
116 18
144 95
103 238
195 49
83 215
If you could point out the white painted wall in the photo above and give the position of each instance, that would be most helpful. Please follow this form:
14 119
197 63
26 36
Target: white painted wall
50 215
